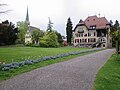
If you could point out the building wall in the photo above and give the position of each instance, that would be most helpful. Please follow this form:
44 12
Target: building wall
28 37
89 37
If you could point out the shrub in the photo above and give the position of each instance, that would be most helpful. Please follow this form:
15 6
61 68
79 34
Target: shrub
49 40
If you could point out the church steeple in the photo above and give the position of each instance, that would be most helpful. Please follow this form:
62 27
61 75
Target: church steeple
27 17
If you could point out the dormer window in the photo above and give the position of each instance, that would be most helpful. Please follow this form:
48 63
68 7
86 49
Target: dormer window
93 26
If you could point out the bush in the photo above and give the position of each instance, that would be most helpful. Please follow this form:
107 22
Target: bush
49 40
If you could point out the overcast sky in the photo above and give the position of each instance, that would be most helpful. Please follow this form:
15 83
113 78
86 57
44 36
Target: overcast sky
59 11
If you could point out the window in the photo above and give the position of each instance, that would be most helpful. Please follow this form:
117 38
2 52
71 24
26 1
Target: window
91 34
81 34
93 27
85 35
94 33
76 35
77 40
85 40
28 37
80 40
92 40
80 30
88 40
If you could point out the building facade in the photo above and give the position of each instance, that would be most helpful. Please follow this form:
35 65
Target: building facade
93 32
28 35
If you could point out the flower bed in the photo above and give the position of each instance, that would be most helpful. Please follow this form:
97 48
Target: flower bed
14 65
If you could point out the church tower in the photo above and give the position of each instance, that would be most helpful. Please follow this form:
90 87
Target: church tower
28 37
27 17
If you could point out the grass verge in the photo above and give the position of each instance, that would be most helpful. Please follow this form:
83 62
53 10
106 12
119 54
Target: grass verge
8 74
18 54
108 78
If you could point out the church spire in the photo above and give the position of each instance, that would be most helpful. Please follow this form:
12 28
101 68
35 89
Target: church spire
27 17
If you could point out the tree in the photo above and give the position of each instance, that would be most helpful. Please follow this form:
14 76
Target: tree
8 33
116 25
5 11
115 33
36 34
117 38
49 40
49 27
69 31
22 27
60 40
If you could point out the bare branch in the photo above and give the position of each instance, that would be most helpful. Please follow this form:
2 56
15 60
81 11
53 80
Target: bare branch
3 4
1 12
6 11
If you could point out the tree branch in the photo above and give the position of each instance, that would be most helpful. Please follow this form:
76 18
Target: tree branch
3 4
5 11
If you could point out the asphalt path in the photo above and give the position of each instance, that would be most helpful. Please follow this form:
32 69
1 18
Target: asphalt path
75 74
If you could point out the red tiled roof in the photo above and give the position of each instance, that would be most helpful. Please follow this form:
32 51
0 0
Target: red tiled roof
100 23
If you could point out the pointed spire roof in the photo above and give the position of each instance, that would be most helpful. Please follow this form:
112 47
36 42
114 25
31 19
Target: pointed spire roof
27 17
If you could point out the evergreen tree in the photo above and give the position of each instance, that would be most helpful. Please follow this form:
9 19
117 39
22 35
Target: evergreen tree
8 33
69 31
49 27
116 25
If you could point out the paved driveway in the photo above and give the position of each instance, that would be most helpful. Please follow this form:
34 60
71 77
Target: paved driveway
76 74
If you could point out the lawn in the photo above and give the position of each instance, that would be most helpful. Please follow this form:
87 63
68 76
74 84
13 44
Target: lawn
108 78
17 54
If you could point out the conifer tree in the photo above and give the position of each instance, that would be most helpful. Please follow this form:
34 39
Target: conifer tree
69 31
49 27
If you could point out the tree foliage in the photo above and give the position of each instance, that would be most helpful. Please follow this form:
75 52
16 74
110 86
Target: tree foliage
60 40
69 31
49 40
8 33
22 27
49 27
115 33
36 34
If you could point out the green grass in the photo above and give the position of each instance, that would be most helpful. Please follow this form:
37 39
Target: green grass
10 54
17 54
108 78
13 72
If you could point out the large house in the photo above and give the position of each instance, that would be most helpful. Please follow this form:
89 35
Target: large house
93 32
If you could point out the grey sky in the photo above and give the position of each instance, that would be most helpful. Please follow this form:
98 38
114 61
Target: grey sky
59 11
